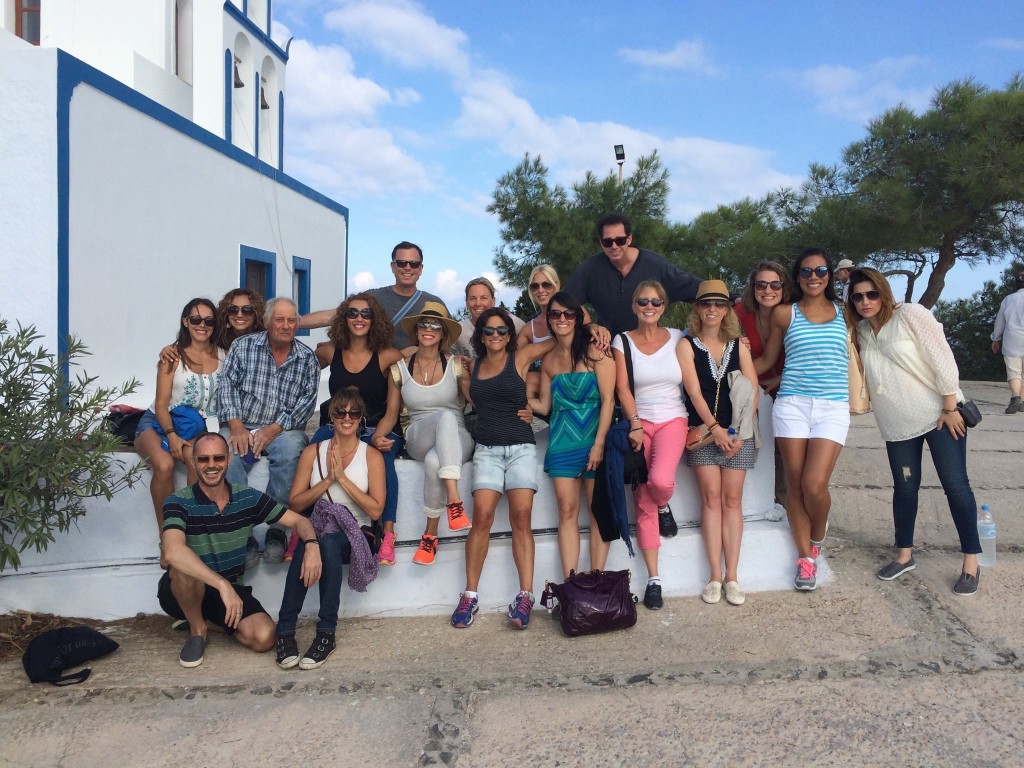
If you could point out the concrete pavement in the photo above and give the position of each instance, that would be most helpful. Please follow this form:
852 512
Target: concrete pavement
861 672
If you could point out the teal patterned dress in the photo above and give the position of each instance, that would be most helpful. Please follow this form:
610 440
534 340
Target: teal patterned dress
575 411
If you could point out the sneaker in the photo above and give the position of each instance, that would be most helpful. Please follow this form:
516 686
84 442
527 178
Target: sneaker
287 651
519 610
293 542
967 585
457 520
652 596
667 526
426 551
465 611
712 592
1015 406
386 555
252 553
895 569
815 552
806 574
322 647
274 546
191 654
733 594
179 625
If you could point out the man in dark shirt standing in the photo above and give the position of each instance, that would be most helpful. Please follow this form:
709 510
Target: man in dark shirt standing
607 280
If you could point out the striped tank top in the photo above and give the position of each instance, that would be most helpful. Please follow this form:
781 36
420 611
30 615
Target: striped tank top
817 358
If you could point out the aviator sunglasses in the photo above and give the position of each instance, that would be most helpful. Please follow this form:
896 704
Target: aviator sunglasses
806 272
234 309
860 298
209 322
426 325
352 313
547 285
716 303
652 302
490 330
608 242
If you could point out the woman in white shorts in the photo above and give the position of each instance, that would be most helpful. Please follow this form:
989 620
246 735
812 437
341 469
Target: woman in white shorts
811 415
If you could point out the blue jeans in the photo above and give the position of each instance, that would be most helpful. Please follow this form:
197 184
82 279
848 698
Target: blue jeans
950 459
390 513
335 551
283 455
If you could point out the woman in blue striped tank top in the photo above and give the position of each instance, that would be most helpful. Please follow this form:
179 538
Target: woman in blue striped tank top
811 415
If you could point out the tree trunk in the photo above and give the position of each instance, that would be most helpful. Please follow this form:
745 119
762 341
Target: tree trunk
937 278
908 294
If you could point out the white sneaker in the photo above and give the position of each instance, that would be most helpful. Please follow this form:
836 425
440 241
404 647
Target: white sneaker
733 594
712 592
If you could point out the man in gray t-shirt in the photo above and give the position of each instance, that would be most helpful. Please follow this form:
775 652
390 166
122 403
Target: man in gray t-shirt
398 300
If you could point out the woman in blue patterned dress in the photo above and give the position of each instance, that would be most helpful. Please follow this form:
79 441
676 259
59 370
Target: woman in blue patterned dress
578 389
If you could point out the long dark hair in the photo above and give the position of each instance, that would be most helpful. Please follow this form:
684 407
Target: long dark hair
184 339
578 349
830 284
477 340
381 329
750 302
227 331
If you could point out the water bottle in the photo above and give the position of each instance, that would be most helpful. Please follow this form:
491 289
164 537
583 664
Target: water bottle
987 536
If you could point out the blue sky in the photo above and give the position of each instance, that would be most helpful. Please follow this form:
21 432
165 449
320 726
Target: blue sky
408 112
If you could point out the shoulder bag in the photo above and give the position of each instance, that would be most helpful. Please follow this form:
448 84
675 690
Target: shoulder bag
634 462
597 601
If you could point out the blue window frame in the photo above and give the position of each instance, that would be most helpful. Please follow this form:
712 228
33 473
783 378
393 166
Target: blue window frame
257 271
300 288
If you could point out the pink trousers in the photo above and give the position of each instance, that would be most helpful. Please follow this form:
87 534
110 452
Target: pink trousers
663 446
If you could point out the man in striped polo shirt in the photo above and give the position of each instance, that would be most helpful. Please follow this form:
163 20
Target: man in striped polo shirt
206 526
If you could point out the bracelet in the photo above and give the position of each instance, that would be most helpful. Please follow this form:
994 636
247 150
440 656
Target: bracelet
712 425
169 431
635 418
311 541
637 429
952 410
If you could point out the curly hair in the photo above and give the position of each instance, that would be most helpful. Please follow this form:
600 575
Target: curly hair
477 340
227 332
184 339
749 301
381 329
727 331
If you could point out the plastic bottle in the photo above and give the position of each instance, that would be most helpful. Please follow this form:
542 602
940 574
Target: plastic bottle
987 535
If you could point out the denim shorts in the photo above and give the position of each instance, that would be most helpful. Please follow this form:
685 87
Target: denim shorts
148 421
505 467
799 416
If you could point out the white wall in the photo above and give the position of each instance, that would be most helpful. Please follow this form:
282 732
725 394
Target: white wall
28 188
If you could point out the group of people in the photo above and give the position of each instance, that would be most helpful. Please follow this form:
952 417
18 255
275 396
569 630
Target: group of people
404 375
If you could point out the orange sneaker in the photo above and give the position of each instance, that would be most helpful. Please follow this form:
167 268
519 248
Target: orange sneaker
457 520
426 550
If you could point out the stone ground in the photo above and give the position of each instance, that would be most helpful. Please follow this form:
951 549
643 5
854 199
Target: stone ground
859 673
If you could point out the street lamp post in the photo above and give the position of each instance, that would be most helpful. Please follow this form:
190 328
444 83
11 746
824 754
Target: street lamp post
620 158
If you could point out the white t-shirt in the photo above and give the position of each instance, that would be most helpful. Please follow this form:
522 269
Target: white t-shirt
657 380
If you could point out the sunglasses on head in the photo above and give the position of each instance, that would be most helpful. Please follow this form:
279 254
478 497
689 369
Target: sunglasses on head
209 322
217 458
716 303
652 302
569 314
402 264
608 242
426 325
352 313
234 309
547 285
859 298
490 330
764 285
353 414
806 272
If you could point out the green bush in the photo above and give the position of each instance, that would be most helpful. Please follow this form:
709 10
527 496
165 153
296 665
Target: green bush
54 451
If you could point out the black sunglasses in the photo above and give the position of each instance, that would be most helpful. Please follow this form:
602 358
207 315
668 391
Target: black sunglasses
209 322
547 285
234 309
608 242
764 285
806 272
652 302
355 414
402 264
217 458
557 313
858 298
490 330
352 313
716 303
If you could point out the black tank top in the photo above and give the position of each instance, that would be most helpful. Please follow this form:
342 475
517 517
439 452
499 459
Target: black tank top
497 399
371 382
709 384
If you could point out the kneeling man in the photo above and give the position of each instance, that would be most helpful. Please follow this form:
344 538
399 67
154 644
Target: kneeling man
206 526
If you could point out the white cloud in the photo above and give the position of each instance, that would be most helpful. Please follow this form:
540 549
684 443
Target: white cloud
1006 43
687 55
361 281
859 95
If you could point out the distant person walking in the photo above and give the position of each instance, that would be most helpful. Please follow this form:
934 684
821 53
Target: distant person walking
1008 339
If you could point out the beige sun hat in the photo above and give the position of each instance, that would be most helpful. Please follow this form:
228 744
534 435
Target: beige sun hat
713 289
432 310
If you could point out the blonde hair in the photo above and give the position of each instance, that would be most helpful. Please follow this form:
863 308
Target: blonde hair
547 271
729 329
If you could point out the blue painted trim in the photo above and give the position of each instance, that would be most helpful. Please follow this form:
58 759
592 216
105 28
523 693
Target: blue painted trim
280 131
301 271
251 253
229 85
270 16
256 114
250 26
66 83
344 287
245 7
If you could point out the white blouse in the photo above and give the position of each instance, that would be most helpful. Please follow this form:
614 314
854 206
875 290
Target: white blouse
657 379
909 367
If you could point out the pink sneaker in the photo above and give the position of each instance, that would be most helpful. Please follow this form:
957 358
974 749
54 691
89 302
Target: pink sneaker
815 551
293 542
386 555
806 575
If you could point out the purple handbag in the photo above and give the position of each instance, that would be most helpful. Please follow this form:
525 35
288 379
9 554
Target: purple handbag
592 602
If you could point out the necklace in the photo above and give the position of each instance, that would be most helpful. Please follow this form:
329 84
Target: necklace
346 455
423 374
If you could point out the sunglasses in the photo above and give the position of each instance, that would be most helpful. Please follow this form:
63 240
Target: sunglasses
764 285
352 313
608 242
716 303
355 414
217 458
860 298
426 325
402 264
234 309
806 272
569 314
547 285
209 322
490 330
652 302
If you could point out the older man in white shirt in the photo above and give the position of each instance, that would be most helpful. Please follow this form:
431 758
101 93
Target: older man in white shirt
1008 339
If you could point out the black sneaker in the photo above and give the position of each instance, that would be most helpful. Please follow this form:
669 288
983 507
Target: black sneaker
287 651
895 569
323 646
652 597
252 553
192 652
666 523
967 585
274 546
